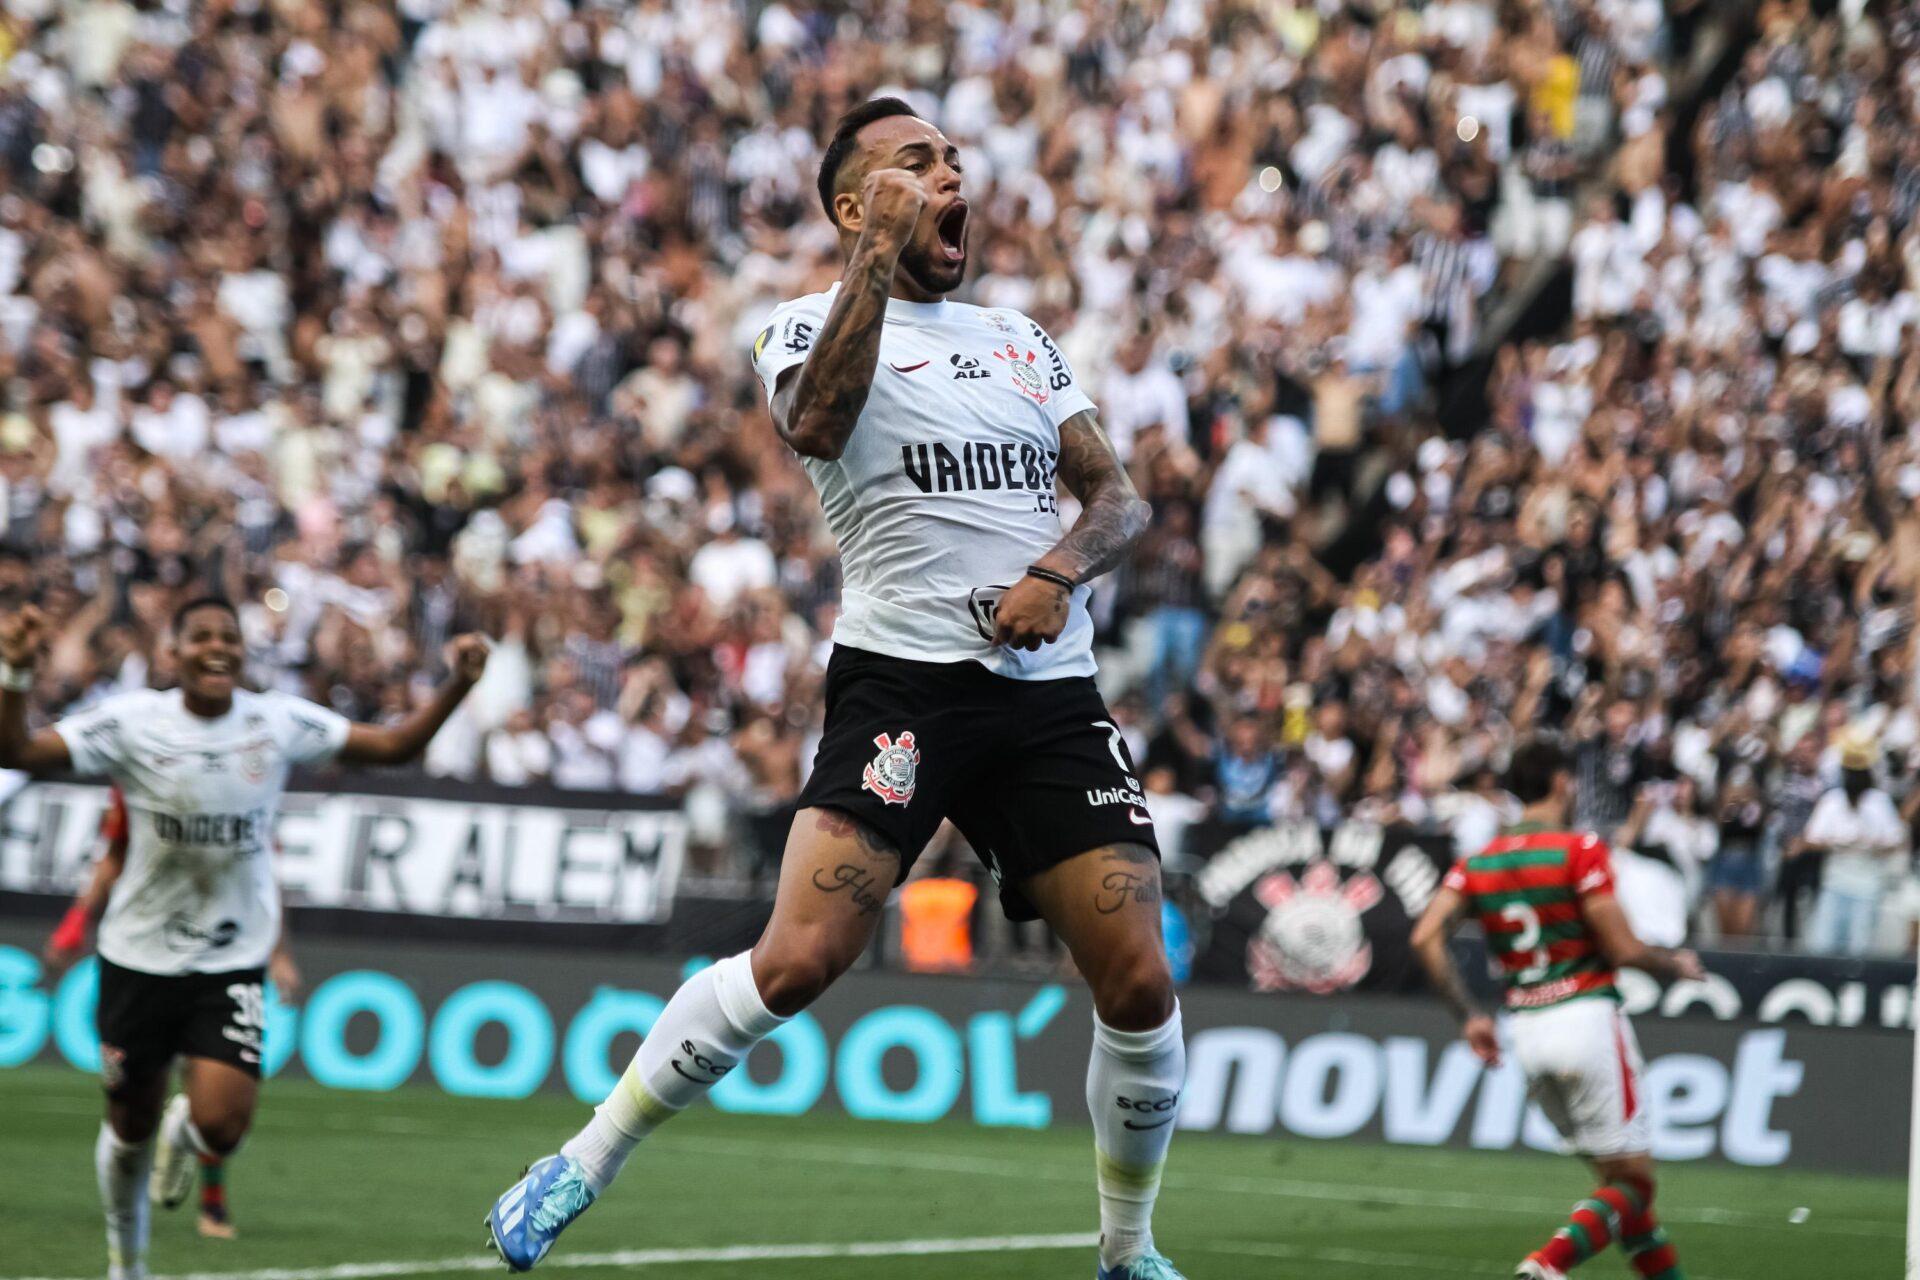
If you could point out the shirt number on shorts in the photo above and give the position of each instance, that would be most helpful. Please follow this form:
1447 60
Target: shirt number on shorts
1528 941
249 1005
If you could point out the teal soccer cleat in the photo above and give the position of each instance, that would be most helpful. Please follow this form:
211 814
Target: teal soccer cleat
1148 1267
525 1222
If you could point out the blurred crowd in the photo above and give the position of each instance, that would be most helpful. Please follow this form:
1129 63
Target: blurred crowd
397 319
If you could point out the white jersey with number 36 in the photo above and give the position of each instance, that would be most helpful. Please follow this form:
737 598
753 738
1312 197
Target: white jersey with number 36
198 893
945 491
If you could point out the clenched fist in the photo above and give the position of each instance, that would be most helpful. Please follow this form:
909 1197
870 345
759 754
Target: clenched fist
891 200
467 656
21 636
1032 613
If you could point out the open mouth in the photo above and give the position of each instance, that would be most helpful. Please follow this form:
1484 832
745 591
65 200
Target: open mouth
222 666
952 230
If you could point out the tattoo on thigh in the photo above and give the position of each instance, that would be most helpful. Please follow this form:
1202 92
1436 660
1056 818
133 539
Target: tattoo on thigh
856 881
1137 879
846 826
1137 855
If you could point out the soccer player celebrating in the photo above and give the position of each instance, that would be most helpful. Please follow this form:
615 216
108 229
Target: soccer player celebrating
190 924
960 684
1544 896
69 942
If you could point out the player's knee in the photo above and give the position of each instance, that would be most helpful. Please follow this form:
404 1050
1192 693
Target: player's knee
1635 1175
223 1131
222 1124
793 976
1136 993
133 1108
132 1123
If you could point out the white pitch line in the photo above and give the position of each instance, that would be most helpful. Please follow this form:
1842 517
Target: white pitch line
659 1257
1351 1257
877 1157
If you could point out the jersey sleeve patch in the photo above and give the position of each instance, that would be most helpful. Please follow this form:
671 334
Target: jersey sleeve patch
787 339
311 733
96 737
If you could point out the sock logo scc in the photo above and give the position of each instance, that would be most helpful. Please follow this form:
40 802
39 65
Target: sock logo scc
714 1069
1148 1106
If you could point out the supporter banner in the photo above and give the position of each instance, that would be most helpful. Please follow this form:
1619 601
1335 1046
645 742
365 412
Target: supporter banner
503 1023
419 847
1298 908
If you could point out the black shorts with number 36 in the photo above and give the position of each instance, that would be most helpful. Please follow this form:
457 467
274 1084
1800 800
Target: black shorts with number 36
148 1019
1033 772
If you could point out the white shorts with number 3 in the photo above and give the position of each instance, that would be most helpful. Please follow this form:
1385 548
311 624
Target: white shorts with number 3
1583 1067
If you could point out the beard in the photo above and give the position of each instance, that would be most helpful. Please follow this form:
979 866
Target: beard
931 274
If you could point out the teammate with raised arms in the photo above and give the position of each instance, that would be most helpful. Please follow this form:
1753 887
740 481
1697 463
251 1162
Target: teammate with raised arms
191 922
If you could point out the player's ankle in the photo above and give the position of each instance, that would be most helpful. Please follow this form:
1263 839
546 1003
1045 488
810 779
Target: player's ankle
1120 1245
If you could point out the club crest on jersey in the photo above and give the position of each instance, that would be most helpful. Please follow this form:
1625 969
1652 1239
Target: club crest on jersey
891 775
256 759
1026 378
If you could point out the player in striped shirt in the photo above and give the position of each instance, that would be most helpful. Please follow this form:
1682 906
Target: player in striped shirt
1544 896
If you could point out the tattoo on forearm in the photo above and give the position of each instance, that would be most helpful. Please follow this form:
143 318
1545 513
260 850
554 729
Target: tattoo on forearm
856 881
1453 992
1113 515
832 386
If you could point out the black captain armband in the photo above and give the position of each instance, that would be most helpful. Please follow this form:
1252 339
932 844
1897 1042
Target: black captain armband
1048 575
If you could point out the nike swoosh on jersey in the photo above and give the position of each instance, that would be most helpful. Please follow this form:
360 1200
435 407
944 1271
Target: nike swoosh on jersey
910 368
1139 819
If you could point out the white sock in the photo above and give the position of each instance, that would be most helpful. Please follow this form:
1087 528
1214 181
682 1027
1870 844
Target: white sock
1133 1093
179 1130
704 1032
121 1168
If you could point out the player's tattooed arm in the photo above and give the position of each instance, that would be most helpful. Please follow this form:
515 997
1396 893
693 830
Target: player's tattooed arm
815 410
1113 514
1430 936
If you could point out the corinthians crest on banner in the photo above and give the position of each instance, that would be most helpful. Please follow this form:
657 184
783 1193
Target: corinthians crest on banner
1296 908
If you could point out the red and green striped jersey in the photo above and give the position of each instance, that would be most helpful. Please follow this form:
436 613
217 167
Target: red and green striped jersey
1526 889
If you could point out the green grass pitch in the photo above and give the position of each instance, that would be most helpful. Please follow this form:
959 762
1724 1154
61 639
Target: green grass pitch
399 1182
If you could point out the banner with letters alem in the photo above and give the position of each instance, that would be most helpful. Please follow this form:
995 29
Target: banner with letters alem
408 845
504 1022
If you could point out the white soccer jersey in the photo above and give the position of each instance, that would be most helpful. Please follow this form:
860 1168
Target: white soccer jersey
945 492
198 893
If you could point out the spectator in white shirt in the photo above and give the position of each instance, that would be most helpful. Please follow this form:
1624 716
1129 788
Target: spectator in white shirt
518 753
1858 827
1141 391
730 564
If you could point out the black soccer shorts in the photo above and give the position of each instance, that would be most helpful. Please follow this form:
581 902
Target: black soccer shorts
1033 772
148 1019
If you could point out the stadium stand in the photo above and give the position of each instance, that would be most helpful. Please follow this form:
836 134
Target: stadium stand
398 320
